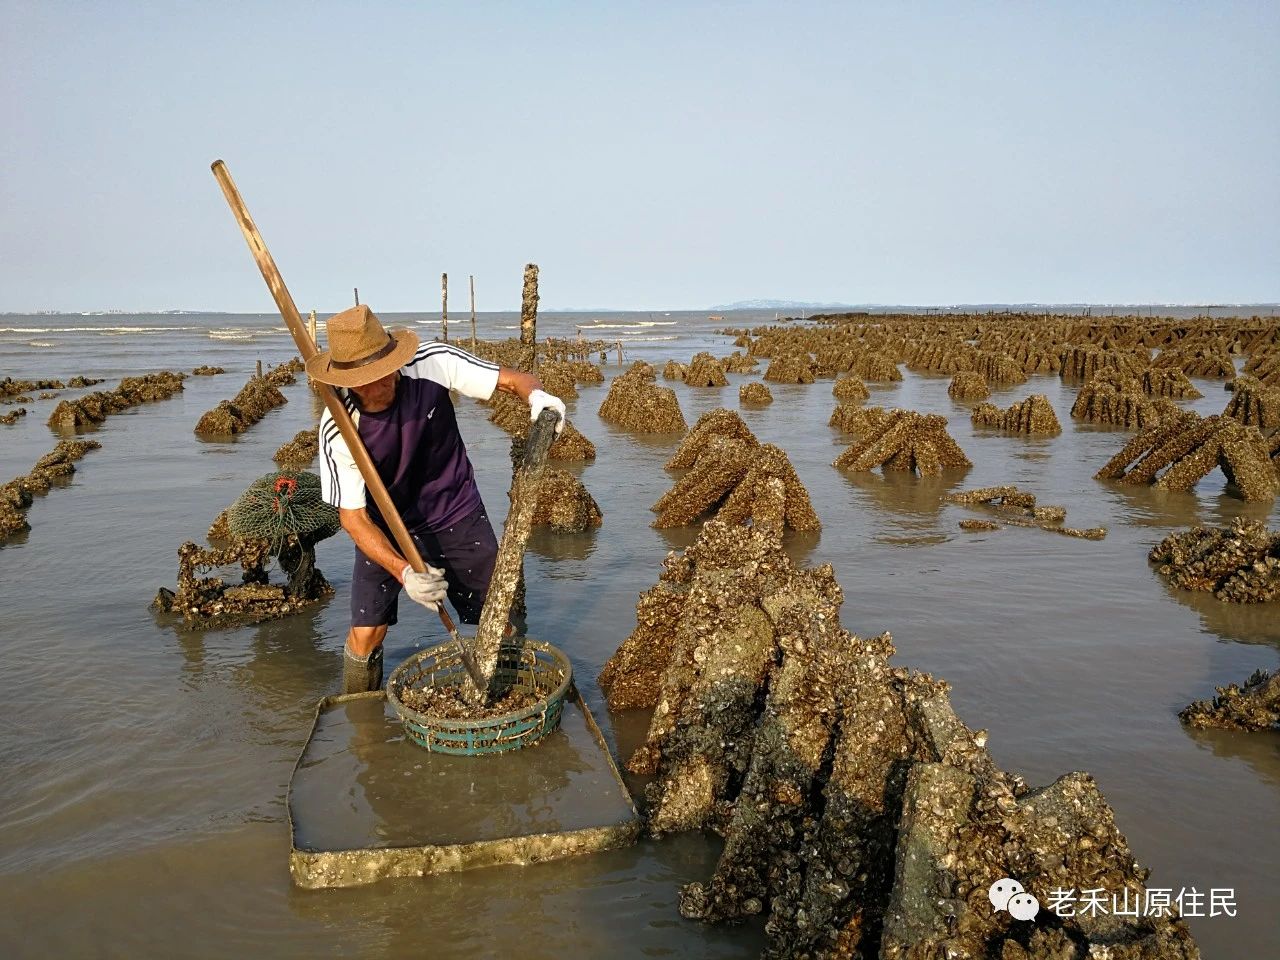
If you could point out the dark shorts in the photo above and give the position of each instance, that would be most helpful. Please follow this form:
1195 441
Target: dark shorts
465 550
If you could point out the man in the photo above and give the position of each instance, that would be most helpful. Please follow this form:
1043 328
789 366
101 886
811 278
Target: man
397 393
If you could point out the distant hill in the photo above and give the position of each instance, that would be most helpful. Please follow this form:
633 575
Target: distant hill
781 305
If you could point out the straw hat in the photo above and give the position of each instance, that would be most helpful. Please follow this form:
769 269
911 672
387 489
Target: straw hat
360 350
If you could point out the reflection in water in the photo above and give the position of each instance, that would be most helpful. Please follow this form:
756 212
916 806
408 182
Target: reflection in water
1260 750
1244 622
894 492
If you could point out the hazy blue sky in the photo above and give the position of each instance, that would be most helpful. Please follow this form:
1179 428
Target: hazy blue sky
645 155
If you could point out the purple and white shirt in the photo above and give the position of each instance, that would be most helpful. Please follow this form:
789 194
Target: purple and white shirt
414 443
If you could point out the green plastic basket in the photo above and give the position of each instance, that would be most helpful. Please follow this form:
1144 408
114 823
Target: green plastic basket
530 665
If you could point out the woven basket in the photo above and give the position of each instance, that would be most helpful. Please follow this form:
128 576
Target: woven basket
529 665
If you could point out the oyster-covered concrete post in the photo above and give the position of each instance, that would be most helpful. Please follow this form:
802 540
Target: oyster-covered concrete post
529 319
515 533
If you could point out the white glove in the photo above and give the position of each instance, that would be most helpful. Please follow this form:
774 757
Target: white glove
428 589
540 400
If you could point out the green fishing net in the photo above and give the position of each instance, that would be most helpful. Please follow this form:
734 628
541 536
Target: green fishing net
281 505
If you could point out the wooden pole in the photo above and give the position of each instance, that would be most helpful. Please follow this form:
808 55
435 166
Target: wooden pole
444 306
356 291
313 329
529 319
292 319
257 370
472 278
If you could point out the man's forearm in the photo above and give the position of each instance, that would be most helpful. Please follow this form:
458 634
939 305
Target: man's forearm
372 542
518 382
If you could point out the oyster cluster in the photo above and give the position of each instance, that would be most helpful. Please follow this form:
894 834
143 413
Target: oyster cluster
636 403
1116 398
754 393
17 495
1179 450
735 477
968 385
1018 508
95 407
1254 706
256 399
1032 415
860 815
1239 563
906 440
298 453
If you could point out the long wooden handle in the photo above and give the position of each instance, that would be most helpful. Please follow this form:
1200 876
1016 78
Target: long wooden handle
307 348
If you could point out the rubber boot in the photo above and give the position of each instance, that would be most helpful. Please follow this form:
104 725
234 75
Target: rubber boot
361 674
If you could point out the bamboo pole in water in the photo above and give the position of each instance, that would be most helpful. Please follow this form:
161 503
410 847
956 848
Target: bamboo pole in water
444 306
293 320
529 319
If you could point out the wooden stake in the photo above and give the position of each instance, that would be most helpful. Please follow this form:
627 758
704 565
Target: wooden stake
472 278
293 320
444 306
312 329
356 291
258 369
529 319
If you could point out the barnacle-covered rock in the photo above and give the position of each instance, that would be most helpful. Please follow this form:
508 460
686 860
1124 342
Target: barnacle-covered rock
207 371
10 387
705 371
999 368
850 389
968 385
714 423
1168 382
906 441
738 362
941 357
254 401
636 403
1254 706
754 393
850 418
512 415
1085 362
1239 563
876 367
1018 508
1253 403
1113 397
95 407
790 369
564 504
1203 361
299 452
12 416
16 495
739 481
674 370
1032 415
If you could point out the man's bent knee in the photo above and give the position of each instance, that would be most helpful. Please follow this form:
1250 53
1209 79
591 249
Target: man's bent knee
362 641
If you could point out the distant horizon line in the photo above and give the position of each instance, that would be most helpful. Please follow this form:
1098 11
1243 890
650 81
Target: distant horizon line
741 307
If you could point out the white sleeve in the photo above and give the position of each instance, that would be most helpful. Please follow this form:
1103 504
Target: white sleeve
341 484
453 368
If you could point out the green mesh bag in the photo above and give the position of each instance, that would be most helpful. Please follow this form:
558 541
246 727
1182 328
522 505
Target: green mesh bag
282 505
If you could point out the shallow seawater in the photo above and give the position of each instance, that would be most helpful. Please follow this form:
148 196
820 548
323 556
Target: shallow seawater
145 769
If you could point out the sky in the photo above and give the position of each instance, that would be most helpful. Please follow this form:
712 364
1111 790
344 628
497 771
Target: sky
646 155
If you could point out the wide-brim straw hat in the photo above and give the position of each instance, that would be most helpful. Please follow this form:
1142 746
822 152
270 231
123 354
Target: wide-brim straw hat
360 349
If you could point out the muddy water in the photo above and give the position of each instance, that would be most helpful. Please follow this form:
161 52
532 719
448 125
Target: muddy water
142 802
